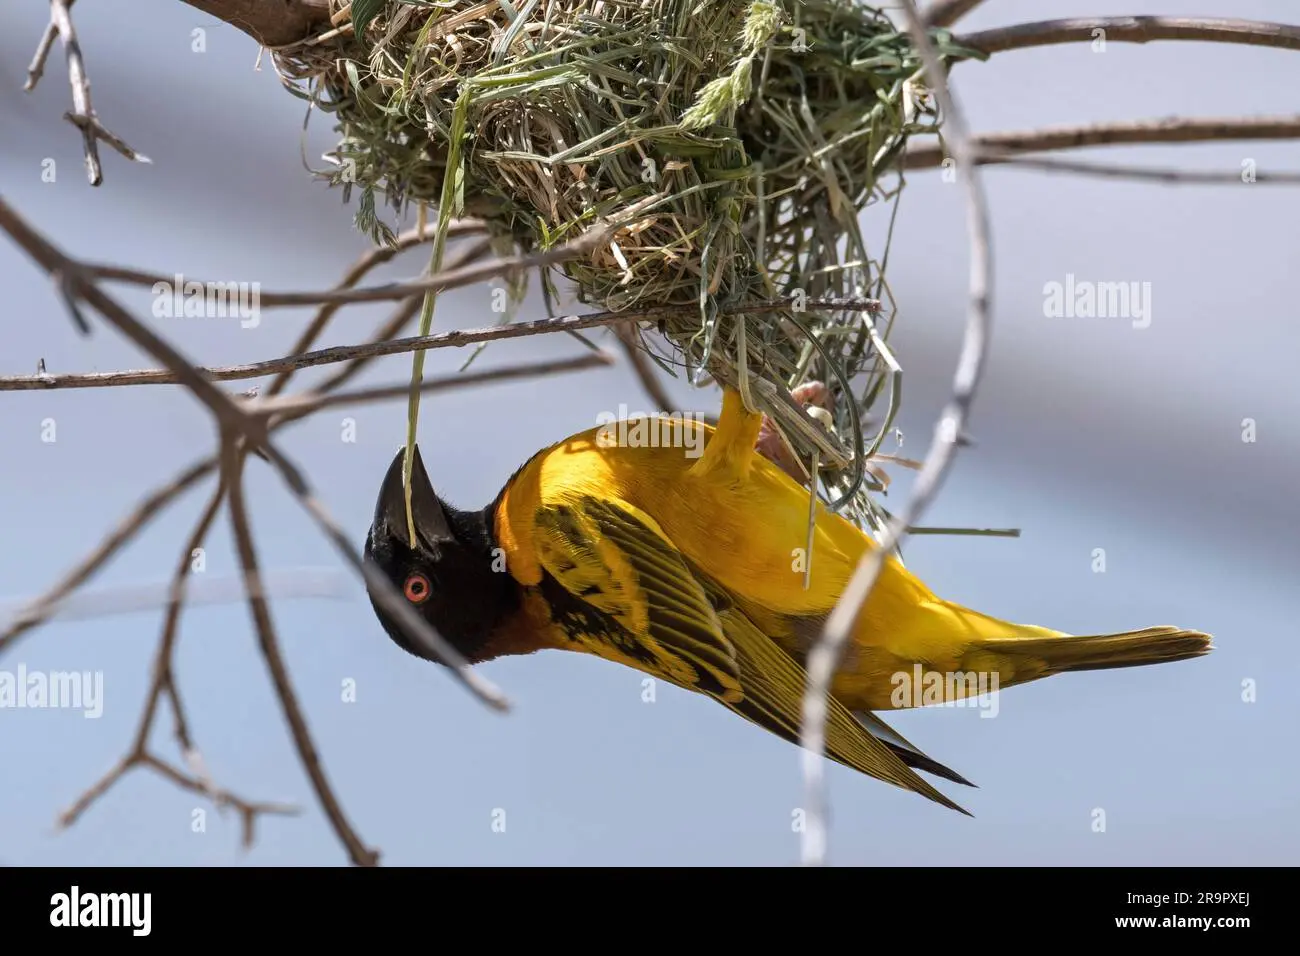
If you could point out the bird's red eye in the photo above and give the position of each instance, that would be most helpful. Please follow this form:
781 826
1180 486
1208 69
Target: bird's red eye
417 589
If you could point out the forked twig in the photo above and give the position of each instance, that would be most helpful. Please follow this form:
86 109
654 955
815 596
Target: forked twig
82 115
242 427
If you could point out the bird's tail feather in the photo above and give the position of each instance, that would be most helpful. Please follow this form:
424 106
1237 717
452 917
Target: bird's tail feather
905 750
919 761
1150 645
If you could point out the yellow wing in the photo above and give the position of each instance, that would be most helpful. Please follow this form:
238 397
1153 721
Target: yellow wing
627 597
619 589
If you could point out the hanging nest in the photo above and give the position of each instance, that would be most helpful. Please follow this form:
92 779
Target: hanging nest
733 145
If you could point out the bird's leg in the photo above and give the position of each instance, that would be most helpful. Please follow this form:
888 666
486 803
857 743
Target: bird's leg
770 443
730 450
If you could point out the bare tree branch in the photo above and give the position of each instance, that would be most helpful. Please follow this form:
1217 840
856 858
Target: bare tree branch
327 356
248 810
232 420
150 506
163 683
241 428
155 501
944 13
1144 29
164 678
825 655
644 368
1145 173
270 22
372 259
37 68
994 147
381 347
82 114
446 279
296 406
232 465
80 286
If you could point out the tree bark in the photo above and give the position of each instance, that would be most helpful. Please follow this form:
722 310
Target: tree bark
270 22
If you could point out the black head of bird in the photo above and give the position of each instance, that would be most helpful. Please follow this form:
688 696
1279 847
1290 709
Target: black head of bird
448 576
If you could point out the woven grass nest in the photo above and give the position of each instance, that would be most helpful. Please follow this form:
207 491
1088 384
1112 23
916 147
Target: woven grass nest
733 144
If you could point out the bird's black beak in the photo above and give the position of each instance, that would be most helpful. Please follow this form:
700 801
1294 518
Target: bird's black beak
390 510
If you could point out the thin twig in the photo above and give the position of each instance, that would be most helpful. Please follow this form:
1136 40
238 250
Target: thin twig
232 464
1144 29
154 502
388 346
980 532
163 678
37 68
55 262
397 320
371 259
1145 173
824 657
234 420
644 368
296 406
382 590
242 427
150 506
248 810
83 113
993 147
441 282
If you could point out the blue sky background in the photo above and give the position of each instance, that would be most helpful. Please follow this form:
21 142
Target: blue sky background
1092 434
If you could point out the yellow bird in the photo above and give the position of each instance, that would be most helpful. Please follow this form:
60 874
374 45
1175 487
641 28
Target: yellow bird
683 557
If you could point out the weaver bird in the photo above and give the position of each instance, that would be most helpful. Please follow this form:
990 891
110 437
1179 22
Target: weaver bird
686 568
